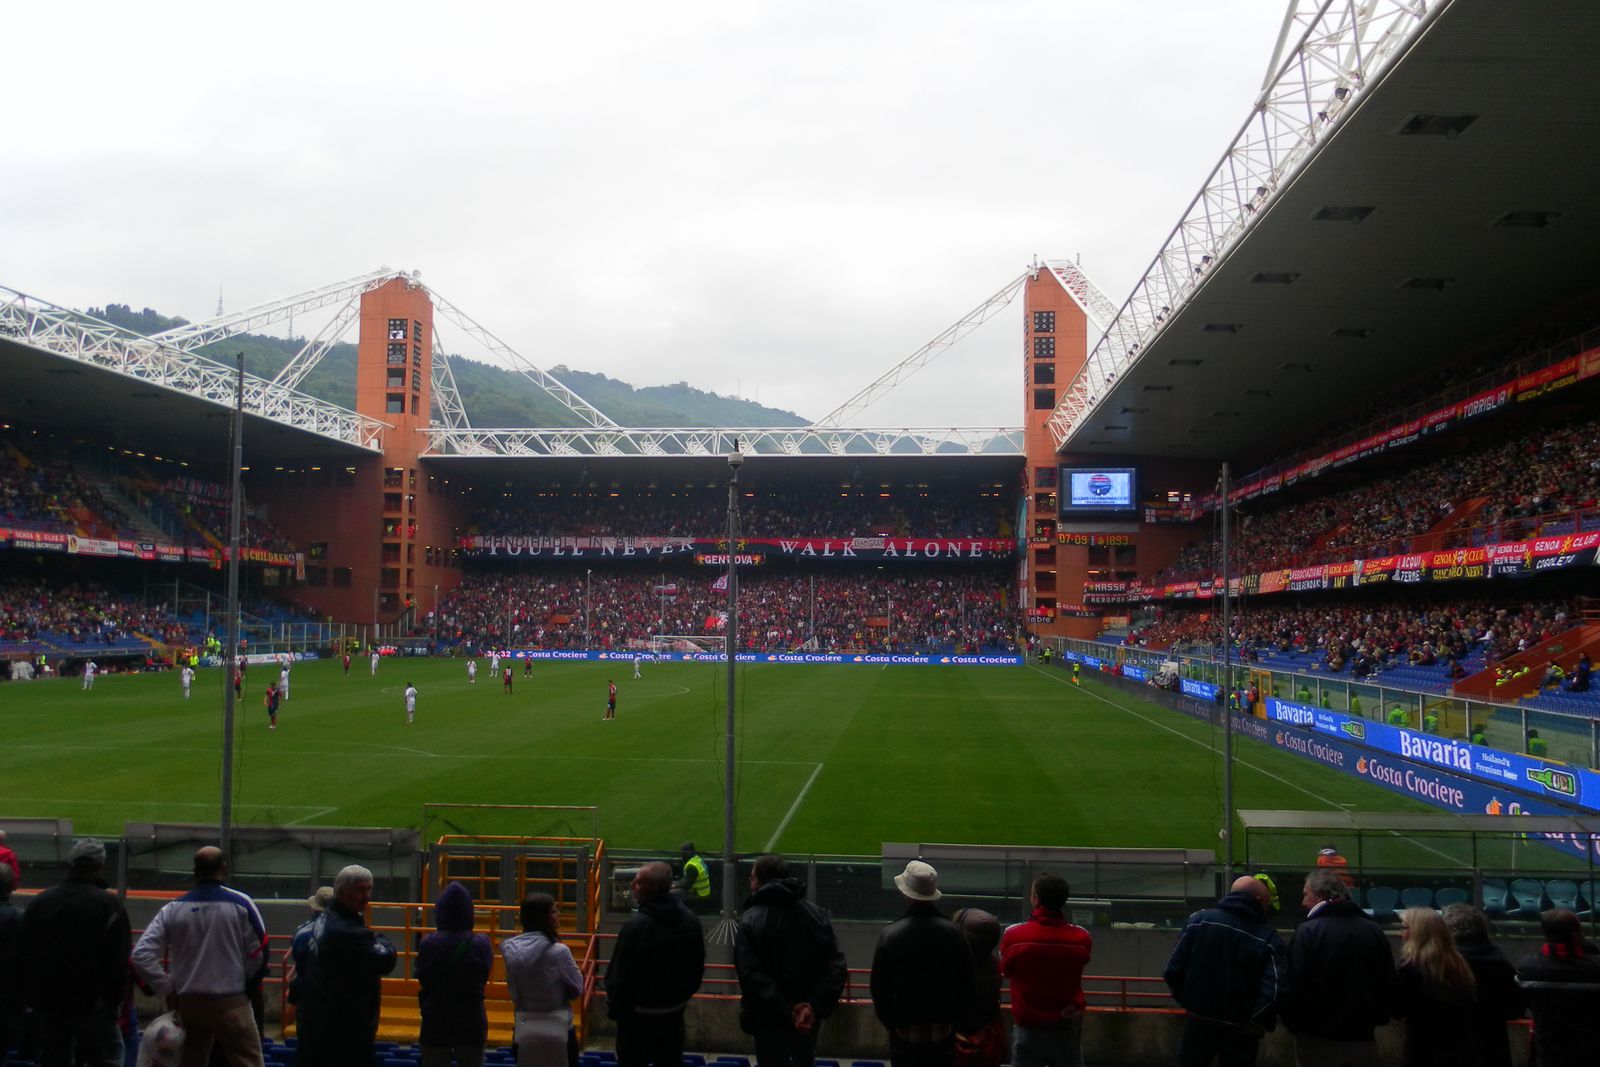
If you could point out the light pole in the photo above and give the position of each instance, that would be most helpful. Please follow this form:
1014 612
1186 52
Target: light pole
231 659
436 616
588 637
727 927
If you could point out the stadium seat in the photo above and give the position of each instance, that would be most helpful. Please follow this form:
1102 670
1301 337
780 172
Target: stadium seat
1381 900
1562 893
1529 896
1416 896
1451 894
1496 898
1591 897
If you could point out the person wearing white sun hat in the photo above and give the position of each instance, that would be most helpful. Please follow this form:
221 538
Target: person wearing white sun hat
921 974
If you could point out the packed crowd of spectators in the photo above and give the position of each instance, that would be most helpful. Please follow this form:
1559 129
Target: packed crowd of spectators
764 511
931 609
1367 638
80 612
204 506
40 487
1523 478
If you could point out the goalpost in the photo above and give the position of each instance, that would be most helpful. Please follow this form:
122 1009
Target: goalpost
687 643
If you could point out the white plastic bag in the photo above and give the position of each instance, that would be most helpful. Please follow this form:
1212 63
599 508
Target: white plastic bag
162 1043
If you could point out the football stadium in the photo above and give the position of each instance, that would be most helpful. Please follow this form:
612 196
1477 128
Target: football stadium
1287 563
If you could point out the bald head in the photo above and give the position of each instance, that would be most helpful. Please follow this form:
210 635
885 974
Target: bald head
209 864
653 880
1253 886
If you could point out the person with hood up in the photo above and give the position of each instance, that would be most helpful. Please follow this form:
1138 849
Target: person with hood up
542 978
791 969
452 967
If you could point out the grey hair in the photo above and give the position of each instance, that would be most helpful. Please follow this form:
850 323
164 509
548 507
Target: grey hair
1467 921
1326 885
351 875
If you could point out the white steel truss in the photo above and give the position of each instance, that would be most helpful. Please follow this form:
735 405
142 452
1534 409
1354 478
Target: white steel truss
76 336
574 403
703 441
924 355
1342 47
1097 307
294 371
254 319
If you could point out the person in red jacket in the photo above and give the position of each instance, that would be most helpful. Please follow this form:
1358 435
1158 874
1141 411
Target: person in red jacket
1044 958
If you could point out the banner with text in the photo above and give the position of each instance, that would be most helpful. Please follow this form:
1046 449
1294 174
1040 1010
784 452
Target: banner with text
866 548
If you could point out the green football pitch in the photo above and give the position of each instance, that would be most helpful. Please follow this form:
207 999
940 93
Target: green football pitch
831 759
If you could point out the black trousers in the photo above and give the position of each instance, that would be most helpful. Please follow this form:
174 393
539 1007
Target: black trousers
1204 1041
656 1039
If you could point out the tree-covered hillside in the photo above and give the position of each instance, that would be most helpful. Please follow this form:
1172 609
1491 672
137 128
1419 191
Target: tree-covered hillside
494 397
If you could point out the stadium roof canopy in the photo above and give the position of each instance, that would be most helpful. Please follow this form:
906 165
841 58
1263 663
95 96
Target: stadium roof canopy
1378 216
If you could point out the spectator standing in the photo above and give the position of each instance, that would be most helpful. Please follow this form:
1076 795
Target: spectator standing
921 975
318 903
452 968
1499 998
1227 972
8 858
1044 958
1562 983
214 945
75 940
980 1035
1341 978
10 966
657 965
1434 993
340 966
791 969
542 978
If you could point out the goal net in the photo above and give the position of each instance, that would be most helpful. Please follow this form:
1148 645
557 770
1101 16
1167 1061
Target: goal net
688 643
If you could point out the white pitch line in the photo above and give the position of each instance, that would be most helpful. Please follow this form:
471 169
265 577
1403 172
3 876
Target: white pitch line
398 752
784 825
314 815
1259 770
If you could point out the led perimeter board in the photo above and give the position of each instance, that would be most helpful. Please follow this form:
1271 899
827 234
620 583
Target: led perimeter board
1086 491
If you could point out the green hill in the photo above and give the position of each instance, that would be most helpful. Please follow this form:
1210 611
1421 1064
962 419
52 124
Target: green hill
493 396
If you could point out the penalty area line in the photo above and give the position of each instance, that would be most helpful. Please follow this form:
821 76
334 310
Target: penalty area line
798 800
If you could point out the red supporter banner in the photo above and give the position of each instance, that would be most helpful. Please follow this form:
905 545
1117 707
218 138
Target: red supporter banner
1556 376
38 541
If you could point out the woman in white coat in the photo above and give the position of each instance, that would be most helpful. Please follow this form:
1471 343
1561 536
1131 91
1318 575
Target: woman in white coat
543 980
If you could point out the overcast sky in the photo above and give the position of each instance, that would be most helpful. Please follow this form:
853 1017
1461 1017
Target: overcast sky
777 199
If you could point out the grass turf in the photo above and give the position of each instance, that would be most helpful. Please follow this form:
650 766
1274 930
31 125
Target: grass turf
831 759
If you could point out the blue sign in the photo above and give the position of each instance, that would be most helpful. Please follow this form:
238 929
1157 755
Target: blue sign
1138 674
874 659
1199 690
1528 774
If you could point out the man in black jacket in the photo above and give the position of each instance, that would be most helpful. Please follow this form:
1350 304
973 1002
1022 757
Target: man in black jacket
1227 971
339 971
75 942
1562 981
1341 979
791 969
921 975
656 966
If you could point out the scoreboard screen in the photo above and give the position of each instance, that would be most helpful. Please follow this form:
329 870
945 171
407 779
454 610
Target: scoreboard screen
1097 490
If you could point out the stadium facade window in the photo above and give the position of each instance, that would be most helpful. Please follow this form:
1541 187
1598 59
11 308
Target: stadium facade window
413 405
1099 556
391 503
396 379
391 527
1044 322
1126 556
397 355
1044 582
397 330
1044 529
1044 399
393 477
317 576
411 557
411 481
1044 374
416 330
416 380
388 602
395 403
317 550
1044 348
341 577
391 553
1044 503
389 577
1044 557
1044 477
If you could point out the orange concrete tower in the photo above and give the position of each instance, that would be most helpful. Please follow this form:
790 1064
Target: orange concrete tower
1055 345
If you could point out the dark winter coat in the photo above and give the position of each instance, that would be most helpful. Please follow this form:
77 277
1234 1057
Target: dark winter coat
1341 975
659 960
1499 1000
452 967
1563 990
921 970
786 953
1228 965
75 945
340 964
1439 1028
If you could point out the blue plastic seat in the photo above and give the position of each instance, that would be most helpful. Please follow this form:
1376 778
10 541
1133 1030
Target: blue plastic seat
1381 900
1496 898
1450 894
1529 895
1416 896
1562 893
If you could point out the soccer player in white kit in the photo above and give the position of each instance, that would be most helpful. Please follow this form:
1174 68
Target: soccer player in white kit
636 665
411 703
472 671
88 674
494 663
374 663
188 680
283 682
